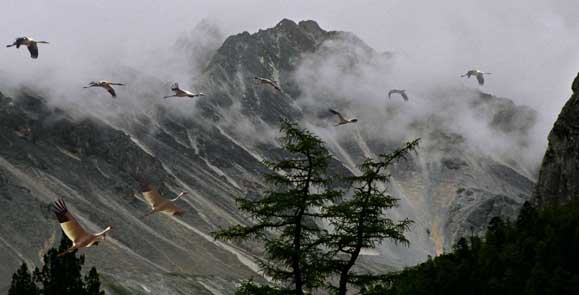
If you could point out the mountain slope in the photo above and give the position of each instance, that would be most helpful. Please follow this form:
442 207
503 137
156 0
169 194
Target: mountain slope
213 147
89 163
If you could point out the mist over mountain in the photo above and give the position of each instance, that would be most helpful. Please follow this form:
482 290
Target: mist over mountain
476 160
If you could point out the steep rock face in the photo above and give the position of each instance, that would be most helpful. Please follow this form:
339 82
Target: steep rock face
94 167
213 147
559 175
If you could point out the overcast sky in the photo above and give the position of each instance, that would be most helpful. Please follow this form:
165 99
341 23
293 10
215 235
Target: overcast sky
532 47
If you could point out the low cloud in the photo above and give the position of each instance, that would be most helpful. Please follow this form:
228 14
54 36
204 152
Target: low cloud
531 48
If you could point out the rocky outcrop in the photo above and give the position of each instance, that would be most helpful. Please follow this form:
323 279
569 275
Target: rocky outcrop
559 175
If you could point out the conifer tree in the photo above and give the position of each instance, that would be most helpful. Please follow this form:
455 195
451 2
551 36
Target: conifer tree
92 283
61 275
361 222
22 283
287 216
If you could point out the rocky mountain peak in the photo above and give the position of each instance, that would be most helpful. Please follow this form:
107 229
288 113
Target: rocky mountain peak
286 24
272 53
287 38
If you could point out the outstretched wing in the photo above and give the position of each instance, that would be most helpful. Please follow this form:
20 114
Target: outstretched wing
404 96
171 209
480 78
338 114
276 87
391 92
33 48
111 90
68 223
151 195
273 84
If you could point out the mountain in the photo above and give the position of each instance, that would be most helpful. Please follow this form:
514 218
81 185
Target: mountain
559 172
536 253
91 152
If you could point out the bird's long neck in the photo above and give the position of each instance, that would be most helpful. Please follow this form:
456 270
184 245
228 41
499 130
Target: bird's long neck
103 232
177 198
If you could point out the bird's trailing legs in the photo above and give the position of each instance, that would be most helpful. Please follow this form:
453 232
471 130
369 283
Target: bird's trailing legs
148 213
69 250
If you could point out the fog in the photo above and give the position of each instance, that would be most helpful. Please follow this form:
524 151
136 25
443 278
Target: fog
529 46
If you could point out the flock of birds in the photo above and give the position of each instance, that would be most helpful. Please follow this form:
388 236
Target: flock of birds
83 239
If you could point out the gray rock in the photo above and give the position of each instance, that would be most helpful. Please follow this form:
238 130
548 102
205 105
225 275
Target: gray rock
559 175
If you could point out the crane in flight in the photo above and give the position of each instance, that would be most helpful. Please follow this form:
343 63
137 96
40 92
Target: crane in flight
341 119
108 85
478 74
74 231
30 43
265 81
182 92
160 204
402 93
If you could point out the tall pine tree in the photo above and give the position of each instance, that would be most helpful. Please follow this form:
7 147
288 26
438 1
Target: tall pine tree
286 217
361 222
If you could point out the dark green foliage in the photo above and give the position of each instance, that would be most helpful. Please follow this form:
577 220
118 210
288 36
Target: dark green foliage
251 288
58 276
300 255
93 283
361 222
286 217
536 254
61 275
22 282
